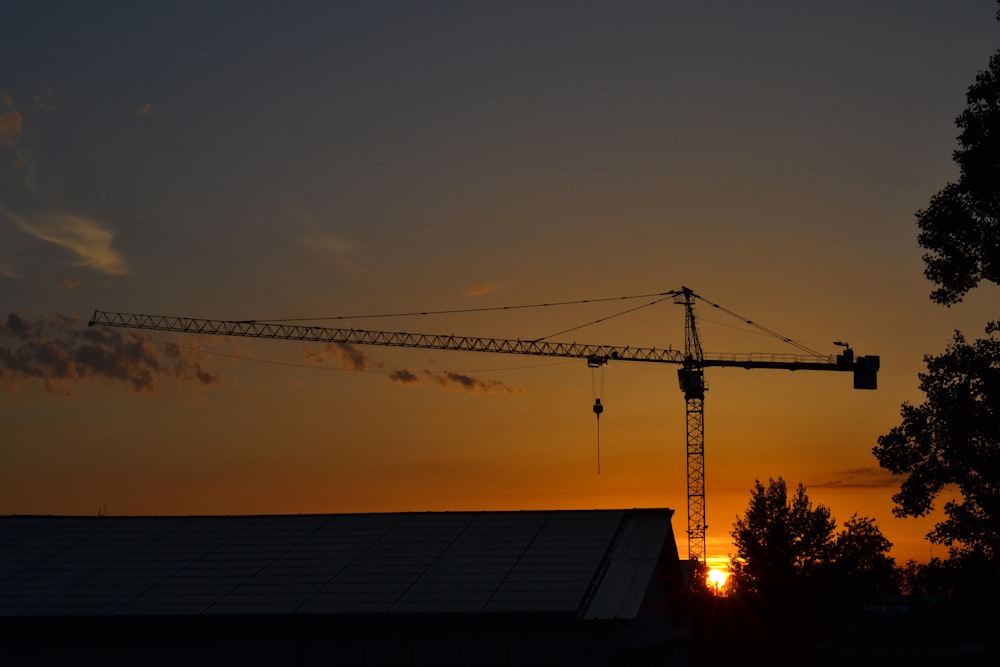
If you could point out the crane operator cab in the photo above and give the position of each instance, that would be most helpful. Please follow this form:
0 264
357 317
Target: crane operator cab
692 382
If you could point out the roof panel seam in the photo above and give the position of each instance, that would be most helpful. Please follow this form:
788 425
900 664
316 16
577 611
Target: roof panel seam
437 558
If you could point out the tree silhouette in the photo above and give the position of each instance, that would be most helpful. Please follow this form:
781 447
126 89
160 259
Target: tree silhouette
949 446
951 442
862 570
960 228
779 542
796 581
788 552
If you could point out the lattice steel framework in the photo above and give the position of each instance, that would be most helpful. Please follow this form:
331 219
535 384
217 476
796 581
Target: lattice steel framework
697 518
692 381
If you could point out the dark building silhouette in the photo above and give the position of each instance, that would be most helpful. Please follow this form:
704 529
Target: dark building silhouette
444 588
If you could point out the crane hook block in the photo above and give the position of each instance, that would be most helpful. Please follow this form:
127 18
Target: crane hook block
598 408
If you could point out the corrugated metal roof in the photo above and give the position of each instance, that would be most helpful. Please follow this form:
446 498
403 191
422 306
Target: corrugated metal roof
594 564
630 567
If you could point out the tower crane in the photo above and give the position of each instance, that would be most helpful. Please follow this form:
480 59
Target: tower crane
692 361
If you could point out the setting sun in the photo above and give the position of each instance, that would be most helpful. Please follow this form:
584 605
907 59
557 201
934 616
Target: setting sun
717 579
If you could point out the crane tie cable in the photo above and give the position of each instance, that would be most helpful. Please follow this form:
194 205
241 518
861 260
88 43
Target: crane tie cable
482 309
602 319
762 328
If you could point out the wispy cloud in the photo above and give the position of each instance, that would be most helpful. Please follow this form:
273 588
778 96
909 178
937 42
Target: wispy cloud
469 383
10 127
7 270
350 357
21 159
328 244
142 111
858 478
88 239
45 99
58 350
404 377
452 381
479 289
331 248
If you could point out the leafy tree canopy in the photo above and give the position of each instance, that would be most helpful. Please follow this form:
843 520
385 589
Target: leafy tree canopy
779 539
951 442
960 228
862 568
787 549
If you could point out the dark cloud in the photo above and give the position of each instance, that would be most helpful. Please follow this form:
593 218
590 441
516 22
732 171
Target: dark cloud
57 350
351 358
449 380
464 382
45 99
10 127
859 478
351 355
403 377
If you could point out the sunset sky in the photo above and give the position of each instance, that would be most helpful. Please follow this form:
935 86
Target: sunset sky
265 160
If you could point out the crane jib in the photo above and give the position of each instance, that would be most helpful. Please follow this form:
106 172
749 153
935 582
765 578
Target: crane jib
865 368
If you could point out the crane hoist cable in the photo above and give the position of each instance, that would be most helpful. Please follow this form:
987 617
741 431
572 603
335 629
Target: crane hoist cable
596 366
598 409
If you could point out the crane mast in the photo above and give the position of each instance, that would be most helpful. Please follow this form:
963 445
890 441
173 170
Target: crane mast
692 361
692 381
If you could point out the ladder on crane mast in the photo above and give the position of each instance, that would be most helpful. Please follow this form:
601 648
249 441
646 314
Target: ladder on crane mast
691 374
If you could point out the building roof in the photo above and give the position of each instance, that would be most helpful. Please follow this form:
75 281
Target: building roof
593 564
